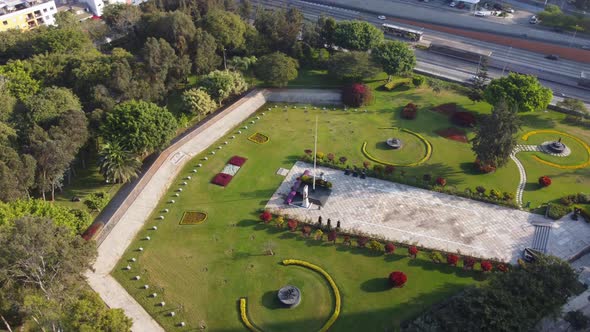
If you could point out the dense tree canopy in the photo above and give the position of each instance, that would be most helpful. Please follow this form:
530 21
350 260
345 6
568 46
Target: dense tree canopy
177 28
205 57
198 102
495 135
395 57
139 127
279 29
49 103
276 69
227 28
116 164
353 66
523 91
220 84
357 35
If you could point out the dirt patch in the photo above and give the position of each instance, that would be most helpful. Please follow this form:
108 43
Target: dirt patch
454 134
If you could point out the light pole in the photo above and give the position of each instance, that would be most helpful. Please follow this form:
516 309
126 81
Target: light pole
506 64
576 28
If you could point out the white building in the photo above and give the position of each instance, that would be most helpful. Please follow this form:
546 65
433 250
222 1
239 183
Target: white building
26 15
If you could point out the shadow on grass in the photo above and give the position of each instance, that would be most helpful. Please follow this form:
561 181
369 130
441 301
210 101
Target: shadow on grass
247 223
469 168
270 301
376 285
537 121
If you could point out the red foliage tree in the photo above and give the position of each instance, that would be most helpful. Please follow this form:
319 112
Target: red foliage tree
356 95
468 263
486 266
410 111
441 182
545 181
389 248
292 225
413 251
266 217
362 241
397 279
452 259
332 236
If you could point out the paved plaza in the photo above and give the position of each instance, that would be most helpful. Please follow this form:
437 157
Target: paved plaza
416 216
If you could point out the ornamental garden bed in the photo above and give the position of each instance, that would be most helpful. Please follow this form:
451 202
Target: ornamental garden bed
193 218
258 138
454 134
228 172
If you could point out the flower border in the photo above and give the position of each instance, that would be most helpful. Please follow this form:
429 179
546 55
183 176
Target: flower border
192 224
526 136
337 306
251 139
419 162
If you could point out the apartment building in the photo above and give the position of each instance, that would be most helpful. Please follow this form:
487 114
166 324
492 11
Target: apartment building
26 14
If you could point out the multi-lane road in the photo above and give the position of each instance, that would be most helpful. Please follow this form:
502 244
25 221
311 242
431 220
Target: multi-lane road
561 76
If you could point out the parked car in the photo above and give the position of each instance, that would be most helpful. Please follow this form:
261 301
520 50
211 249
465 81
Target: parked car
585 47
381 17
534 20
509 10
453 4
482 13
461 5
552 57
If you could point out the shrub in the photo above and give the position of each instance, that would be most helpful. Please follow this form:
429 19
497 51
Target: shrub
332 236
484 168
389 248
97 201
508 196
452 259
436 256
502 267
418 80
308 151
306 230
441 182
463 119
410 111
486 266
375 245
569 200
390 86
495 194
292 224
413 251
389 169
366 164
545 181
280 220
468 263
343 160
356 95
346 240
378 169
362 241
330 157
320 155
319 235
557 211
397 279
266 216
577 320
480 189
426 177
583 198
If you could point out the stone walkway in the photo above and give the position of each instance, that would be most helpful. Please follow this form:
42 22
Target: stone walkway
411 215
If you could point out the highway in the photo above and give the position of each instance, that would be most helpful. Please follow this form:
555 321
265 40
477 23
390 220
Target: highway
561 76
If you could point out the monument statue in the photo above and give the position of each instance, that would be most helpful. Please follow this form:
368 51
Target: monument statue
305 203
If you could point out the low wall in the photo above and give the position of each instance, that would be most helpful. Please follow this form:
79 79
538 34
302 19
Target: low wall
305 96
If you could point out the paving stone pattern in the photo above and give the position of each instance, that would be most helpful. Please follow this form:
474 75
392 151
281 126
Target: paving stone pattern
406 214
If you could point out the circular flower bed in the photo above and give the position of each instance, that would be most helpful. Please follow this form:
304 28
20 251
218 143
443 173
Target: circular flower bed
526 136
426 156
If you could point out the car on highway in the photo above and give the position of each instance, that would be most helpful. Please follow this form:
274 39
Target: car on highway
534 20
509 10
482 13
552 57
381 17
586 47
453 4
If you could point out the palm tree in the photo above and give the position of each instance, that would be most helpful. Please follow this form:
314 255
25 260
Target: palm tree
116 164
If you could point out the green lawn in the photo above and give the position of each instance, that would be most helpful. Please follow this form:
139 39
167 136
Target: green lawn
200 271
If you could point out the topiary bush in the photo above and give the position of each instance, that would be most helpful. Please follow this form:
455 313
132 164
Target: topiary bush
356 95
375 245
292 225
397 279
362 241
410 111
441 182
452 259
389 248
545 181
468 263
486 266
418 80
463 119
413 251
266 216
436 256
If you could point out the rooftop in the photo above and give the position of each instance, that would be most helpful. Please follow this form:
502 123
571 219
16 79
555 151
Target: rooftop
11 6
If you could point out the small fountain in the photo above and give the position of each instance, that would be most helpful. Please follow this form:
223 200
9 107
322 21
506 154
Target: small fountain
556 148
290 296
394 143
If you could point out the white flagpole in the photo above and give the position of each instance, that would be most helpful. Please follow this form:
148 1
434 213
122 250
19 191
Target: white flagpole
315 151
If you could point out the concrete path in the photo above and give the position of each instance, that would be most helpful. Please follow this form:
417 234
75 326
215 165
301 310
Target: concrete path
411 215
137 206
521 170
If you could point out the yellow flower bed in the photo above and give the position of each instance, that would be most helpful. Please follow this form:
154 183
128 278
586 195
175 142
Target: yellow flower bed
526 136
321 271
420 137
244 316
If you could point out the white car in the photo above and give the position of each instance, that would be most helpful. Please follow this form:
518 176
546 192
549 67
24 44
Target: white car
509 10
381 17
453 4
482 13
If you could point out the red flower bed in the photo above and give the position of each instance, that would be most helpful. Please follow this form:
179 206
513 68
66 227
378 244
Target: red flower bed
237 161
441 182
463 119
454 134
545 181
410 111
222 179
397 279
446 109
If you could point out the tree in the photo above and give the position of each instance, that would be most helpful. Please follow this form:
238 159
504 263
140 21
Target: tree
7 102
49 103
163 68
279 29
73 221
495 136
42 268
523 91
574 105
222 84
356 95
68 39
17 174
413 251
205 58
198 102
326 27
19 81
577 319
97 201
266 217
242 64
352 66
121 18
397 279
88 313
227 28
357 35
116 164
395 57
245 9
176 27
389 248
276 69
